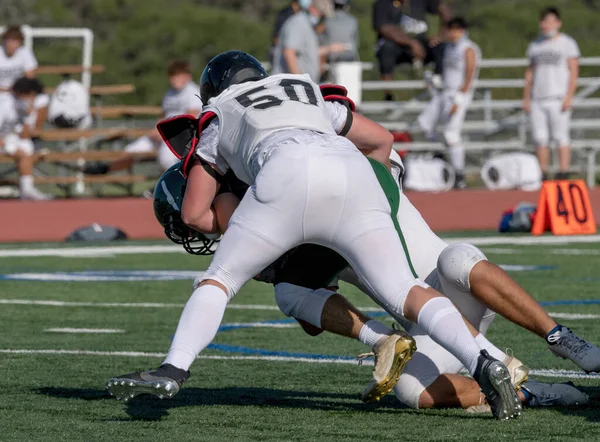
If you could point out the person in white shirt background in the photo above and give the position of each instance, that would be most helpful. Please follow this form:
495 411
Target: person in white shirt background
21 117
550 83
181 98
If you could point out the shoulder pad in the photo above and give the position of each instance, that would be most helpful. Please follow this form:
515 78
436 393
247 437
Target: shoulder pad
181 134
338 94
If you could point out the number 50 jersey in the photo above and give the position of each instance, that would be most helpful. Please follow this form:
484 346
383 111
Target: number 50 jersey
249 112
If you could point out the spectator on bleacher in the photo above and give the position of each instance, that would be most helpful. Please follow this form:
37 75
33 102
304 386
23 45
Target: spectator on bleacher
32 106
70 106
15 140
461 68
342 28
181 98
16 60
402 27
550 83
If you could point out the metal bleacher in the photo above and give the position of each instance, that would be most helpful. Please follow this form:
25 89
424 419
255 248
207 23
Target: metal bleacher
493 124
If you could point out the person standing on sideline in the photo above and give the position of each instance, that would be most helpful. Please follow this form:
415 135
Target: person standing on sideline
343 28
550 83
460 71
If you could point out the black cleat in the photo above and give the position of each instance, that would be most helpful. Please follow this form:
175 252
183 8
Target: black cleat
96 168
494 379
163 382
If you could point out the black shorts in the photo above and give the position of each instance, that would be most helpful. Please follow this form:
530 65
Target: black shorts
391 54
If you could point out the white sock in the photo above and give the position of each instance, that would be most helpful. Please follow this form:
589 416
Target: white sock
457 157
197 326
494 351
444 324
372 332
26 182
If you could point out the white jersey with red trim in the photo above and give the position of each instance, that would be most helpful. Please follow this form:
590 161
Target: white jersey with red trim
250 112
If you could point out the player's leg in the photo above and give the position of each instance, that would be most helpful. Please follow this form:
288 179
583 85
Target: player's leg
324 309
429 118
539 132
453 139
22 151
266 224
464 267
560 123
378 256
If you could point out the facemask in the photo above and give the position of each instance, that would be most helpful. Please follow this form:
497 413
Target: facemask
550 34
304 4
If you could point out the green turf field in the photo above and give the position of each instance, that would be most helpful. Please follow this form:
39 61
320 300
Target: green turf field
261 381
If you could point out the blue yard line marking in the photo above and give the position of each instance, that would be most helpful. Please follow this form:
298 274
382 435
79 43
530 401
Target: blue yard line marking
249 325
262 352
570 302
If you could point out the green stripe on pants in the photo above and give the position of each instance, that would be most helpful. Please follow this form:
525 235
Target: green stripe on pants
392 193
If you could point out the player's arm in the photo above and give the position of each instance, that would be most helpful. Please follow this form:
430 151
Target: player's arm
202 186
291 60
527 88
470 67
573 64
372 139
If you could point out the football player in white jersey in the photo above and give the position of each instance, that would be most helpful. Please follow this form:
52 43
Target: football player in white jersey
16 129
308 185
16 60
181 98
460 71
550 84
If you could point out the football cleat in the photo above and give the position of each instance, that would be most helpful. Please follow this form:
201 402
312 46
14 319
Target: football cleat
391 355
549 395
494 379
163 382
519 373
567 345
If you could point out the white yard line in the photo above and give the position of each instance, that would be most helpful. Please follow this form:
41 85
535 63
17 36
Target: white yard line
84 330
76 252
552 373
54 303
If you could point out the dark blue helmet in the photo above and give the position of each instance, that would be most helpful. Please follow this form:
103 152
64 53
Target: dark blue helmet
226 69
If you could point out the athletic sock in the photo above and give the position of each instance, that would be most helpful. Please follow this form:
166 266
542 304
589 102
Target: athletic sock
457 157
197 326
494 351
373 331
445 325
26 182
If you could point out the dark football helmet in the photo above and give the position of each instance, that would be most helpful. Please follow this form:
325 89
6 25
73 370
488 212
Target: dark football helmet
168 197
226 69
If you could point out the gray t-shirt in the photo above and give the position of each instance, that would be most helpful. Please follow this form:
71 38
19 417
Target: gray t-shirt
343 28
297 33
549 58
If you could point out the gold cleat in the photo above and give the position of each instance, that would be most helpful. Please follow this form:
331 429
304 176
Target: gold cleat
519 373
391 355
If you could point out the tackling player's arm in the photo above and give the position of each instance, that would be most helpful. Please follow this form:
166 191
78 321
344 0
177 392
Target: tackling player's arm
573 76
202 186
372 139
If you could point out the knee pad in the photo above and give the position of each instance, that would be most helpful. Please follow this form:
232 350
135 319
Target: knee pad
301 303
456 262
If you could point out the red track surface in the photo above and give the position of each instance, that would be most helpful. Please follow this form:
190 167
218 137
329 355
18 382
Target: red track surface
22 221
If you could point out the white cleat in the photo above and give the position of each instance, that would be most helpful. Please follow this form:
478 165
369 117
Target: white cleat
34 194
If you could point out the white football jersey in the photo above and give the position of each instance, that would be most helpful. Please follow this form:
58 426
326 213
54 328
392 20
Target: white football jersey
178 102
250 112
549 58
9 117
455 63
13 68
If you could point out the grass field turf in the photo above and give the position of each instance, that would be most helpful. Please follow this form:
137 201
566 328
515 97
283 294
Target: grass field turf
62 396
